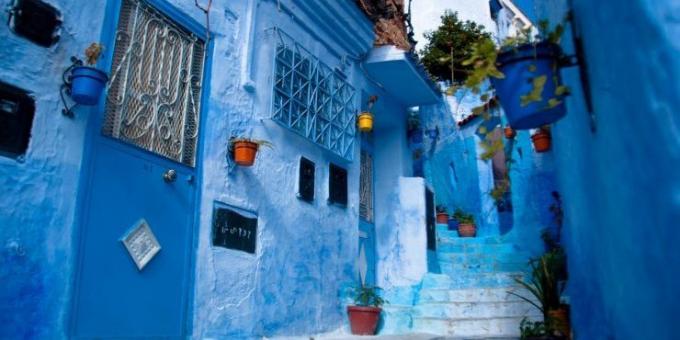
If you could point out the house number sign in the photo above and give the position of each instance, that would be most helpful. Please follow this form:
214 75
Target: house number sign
232 230
141 244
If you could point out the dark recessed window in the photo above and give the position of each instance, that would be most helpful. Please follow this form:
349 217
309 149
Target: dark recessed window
337 185
16 118
36 21
306 180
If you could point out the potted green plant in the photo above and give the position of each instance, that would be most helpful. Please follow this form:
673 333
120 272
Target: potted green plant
546 284
466 225
442 215
244 149
524 73
365 314
87 82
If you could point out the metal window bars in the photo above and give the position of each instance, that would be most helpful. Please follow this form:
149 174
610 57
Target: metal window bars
312 99
155 89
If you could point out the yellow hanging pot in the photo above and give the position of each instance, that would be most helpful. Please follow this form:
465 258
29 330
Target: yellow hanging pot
365 122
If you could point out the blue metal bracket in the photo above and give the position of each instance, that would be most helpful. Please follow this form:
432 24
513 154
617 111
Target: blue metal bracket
65 89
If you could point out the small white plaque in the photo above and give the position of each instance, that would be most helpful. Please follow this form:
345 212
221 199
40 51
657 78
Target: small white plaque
141 244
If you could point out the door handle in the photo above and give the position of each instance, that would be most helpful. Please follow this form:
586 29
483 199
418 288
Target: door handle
170 176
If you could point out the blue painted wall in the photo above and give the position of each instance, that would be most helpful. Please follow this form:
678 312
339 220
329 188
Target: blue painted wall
305 252
620 184
37 205
461 179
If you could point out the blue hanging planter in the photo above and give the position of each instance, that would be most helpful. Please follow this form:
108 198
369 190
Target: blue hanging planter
87 84
520 67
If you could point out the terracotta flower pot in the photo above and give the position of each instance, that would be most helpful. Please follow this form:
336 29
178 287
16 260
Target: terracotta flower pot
560 319
365 122
244 153
363 320
510 133
467 230
542 141
442 218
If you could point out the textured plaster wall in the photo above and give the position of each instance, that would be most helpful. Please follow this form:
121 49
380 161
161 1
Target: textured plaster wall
306 252
403 249
37 205
620 184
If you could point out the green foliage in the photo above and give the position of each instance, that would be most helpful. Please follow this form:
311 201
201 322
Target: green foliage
368 296
449 45
483 62
529 329
491 146
463 217
441 209
545 285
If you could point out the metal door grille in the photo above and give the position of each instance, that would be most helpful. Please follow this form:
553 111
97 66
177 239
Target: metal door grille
154 95
366 187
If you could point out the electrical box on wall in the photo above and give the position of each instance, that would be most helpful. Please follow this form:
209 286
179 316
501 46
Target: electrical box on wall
17 108
36 21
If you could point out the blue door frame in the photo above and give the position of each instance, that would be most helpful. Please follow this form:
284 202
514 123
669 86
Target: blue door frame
367 228
183 195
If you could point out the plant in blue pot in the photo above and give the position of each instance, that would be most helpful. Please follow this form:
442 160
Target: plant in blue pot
88 82
524 74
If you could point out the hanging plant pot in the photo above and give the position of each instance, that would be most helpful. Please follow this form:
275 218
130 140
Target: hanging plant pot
467 230
363 320
365 122
530 68
245 152
542 141
442 218
87 84
453 224
509 132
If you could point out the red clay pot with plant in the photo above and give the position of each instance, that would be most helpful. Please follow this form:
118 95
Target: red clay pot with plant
442 218
510 133
363 320
560 319
467 230
542 140
244 152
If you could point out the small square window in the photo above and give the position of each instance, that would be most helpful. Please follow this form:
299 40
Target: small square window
16 118
337 185
306 180
36 21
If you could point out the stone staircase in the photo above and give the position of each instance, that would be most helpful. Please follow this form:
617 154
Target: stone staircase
470 298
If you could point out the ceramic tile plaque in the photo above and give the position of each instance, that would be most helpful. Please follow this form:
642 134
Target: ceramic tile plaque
141 244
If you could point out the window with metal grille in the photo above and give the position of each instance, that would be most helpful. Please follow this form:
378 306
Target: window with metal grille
312 99
366 187
337 185
155 90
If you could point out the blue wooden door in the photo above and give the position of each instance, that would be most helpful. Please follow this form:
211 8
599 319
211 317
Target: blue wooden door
367 251
142 172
